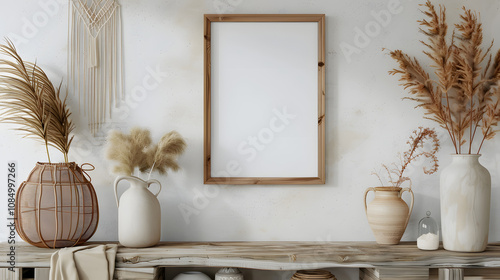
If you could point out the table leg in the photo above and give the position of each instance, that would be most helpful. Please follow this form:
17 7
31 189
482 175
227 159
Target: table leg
12 274
42 273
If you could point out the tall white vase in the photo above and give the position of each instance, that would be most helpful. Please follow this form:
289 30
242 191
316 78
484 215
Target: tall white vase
465 204
139 213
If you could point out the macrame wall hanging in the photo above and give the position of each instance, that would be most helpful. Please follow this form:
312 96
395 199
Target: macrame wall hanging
95 64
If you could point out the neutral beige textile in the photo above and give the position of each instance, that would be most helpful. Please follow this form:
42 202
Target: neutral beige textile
93 262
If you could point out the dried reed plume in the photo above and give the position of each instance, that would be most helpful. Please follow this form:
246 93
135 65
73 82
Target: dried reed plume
465 94
29 101
135 151
395 172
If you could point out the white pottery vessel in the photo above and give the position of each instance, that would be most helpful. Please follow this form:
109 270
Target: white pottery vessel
192 275
388 214
139 213
465 188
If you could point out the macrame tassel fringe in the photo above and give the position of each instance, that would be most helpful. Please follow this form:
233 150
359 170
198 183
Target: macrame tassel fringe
95 64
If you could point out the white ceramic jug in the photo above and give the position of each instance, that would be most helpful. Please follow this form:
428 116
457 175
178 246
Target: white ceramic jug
139 213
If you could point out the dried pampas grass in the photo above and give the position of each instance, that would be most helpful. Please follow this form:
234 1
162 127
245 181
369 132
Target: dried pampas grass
136 151
162 156
464 95
29 101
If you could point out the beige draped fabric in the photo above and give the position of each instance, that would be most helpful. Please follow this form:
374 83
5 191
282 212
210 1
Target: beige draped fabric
84 263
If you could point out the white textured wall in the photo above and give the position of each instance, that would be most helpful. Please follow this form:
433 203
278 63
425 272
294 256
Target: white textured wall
367 122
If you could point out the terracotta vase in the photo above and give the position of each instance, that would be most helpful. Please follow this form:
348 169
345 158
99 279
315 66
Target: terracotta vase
388 214
465 191
139 213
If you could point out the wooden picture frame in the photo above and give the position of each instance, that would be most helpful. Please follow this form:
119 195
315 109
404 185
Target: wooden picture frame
264 99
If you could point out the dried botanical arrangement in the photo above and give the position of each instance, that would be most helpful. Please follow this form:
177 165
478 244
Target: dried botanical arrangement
136 151
465 95
30 102
95 63
395 171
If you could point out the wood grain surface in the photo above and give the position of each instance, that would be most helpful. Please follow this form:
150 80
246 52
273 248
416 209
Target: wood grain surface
275 255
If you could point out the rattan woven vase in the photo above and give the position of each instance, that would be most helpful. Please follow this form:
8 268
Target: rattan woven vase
313 274
56 206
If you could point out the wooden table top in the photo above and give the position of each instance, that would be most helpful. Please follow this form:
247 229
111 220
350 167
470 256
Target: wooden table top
273 255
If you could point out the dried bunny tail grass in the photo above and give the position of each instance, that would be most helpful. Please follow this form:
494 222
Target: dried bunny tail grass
30 101
120 149
136 150
164 154
149 159
171 143
140 137
165 163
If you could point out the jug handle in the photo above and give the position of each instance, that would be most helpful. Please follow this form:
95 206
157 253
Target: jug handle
153 181
411 204
366 194
117 180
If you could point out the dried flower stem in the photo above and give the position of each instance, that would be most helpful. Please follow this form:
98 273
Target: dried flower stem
416 150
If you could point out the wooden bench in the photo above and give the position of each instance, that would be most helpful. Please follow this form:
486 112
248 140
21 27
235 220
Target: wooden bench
403 261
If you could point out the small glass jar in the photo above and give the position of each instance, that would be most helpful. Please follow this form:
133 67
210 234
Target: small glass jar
428 233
